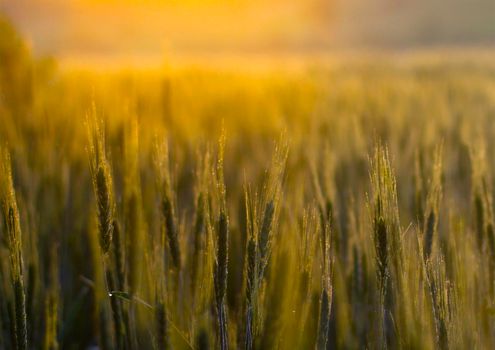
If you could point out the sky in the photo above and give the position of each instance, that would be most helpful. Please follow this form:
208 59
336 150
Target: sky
156 28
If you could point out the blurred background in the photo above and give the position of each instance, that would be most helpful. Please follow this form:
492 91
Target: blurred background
147 31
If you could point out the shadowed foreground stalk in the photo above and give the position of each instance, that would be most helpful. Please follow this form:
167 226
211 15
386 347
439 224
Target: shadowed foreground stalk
14 244
326 288
161 324
222 253
221 278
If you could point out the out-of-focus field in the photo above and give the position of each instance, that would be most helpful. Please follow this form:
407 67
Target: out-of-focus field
358 204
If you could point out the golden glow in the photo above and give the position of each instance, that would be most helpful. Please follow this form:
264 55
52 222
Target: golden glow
153 29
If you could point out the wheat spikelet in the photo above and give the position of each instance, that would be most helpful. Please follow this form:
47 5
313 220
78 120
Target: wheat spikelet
102 182
171 230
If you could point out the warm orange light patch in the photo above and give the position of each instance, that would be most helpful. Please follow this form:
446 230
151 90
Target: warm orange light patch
168 27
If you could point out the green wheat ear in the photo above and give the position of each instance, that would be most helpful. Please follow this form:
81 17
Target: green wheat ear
171 230
220 276
102 182
104 206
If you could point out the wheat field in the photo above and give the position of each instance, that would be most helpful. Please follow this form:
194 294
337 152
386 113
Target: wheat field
334 206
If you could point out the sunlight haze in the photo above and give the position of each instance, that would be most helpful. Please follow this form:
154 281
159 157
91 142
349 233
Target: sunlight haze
149 30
